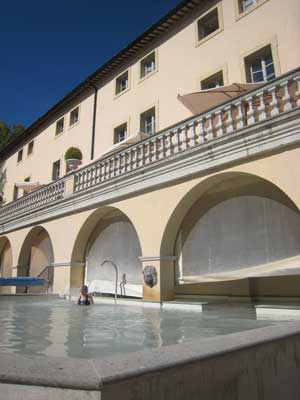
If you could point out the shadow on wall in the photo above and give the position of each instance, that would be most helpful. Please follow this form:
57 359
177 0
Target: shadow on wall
238 224
35 256
115 239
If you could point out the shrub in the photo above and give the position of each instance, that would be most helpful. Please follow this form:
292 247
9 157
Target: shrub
73 152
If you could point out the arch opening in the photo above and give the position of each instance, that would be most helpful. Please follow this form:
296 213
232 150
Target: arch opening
240 227
36 259
5 263
110 236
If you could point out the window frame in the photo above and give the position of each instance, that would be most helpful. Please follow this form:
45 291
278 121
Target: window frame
30 148
57 162
71 124
117 130
120 92
57 133
218 8
248 65
211 76
20 156
151 73
143 117
239 13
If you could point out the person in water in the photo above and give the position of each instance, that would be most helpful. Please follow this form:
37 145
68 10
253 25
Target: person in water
85 299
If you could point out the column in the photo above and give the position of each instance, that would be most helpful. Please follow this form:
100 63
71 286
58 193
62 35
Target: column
158 278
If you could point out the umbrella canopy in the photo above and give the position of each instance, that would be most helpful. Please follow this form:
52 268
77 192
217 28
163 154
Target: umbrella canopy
125 143
31 185
199 102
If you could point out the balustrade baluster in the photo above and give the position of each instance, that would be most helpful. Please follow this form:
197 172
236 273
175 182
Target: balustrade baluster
297 80
102 171
178 143
155 149
209 129
201 130
163 146
274 102
262 115
131 158
193 139
240 115
287 100
185 139
219 124
250 112
168 144
88 175
229 122
97 173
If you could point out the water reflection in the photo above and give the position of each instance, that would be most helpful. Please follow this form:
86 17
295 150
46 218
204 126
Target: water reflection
60 328
25 327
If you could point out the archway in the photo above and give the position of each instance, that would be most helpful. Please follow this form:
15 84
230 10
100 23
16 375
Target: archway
5 263
233 226
108 234
36 258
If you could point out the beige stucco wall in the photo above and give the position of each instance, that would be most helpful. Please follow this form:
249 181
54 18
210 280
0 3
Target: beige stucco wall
48 148
156 216
181 64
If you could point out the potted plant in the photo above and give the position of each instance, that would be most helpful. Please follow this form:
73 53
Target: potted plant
73 157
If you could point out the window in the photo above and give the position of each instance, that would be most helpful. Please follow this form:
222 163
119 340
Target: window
30 148
213 81
120 133
208 24
246 4
148 65
59 126
20 155
147 121
260 66
25 191
56 170
74 116
16 193
122 83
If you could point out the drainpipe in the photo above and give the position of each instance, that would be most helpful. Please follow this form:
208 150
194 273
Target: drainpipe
94 120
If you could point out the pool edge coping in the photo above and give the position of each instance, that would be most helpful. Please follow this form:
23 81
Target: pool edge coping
95 374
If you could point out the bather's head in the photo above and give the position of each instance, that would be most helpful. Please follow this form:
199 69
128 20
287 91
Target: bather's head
84 290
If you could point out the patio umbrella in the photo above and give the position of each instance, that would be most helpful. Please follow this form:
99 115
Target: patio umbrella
199 102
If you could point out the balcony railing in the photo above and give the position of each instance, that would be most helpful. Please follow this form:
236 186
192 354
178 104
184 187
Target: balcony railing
270 100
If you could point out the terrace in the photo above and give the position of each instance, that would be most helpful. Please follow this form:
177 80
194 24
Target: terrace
253 124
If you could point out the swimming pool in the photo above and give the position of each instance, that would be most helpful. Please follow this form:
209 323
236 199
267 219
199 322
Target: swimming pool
54 327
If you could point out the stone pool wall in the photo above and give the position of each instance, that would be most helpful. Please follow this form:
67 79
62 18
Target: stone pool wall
260 364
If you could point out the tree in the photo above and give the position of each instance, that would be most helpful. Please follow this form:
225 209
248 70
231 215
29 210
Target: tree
4 134
2 183
16 130
9 133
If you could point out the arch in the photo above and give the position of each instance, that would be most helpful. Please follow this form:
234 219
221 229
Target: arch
217 201
107 233
35 255
5 262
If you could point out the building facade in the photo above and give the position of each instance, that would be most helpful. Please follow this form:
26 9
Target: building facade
190 144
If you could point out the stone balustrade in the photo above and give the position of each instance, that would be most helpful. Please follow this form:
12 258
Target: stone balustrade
249 109
281 95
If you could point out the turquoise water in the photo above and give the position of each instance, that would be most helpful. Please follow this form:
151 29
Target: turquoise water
52 327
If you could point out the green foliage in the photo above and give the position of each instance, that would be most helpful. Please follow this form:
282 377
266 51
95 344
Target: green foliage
17 129
9 133
2 183
73 152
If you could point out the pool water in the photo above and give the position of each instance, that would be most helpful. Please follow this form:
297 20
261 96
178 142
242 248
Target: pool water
53 327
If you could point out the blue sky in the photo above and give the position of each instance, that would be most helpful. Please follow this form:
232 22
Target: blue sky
47 48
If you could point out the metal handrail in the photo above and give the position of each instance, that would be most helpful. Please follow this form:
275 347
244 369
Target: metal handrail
116 269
